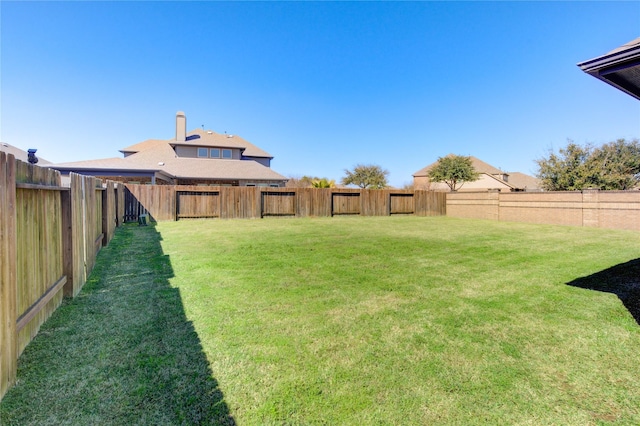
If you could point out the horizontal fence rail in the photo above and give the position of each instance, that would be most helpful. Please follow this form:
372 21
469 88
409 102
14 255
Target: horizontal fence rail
50 236
168 202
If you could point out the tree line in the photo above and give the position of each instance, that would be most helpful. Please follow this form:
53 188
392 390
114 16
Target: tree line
612 166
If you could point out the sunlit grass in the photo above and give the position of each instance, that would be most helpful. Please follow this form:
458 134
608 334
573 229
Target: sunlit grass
409 320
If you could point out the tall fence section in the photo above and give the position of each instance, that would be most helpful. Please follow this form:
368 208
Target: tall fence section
49 238
591 207
165 202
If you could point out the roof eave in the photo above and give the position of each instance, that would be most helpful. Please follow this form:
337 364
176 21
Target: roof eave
103 169
605 65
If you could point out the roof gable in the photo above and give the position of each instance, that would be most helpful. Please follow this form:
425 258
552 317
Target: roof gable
479 165
204 138
209 138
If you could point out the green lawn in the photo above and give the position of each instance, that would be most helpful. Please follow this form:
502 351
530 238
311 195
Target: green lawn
345 320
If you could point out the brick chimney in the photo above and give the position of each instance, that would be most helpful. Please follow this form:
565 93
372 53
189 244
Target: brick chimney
181 127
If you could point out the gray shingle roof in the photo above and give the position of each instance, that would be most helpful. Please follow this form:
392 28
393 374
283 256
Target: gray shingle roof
206 138
158 155
523 181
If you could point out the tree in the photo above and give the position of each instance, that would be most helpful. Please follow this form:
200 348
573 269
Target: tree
367 176
323 183
614 165
310 182
454 170
565 171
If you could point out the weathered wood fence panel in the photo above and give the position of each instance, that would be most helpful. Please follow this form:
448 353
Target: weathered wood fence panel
430 203
38 249
85 227
313 202
401 203
375 202
197 204
240 202
278 203
159 201
345 203
49 238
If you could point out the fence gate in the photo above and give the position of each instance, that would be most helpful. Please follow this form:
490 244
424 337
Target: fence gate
132 207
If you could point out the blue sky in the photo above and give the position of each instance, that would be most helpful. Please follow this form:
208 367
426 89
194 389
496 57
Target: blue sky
322 86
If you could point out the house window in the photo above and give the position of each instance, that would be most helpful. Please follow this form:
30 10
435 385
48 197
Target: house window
226 153
214 153
202 152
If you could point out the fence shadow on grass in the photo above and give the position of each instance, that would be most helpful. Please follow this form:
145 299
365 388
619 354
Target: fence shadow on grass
623 280
122 352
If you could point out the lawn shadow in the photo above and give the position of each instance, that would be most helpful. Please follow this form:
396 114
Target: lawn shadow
122 352
623 280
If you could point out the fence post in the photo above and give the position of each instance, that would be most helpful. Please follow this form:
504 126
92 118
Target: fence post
494 203
105 217
8 274
67 242
590 208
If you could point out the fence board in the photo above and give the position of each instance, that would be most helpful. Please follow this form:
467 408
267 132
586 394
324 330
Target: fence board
119 200
8 277
109 214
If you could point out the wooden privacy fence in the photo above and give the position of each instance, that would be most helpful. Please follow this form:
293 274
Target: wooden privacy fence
165 202
49 238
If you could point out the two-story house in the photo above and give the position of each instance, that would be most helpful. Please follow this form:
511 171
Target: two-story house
198 157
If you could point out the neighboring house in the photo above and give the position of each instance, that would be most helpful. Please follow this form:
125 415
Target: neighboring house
490 178
619 68
22 155
523 182
198 157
